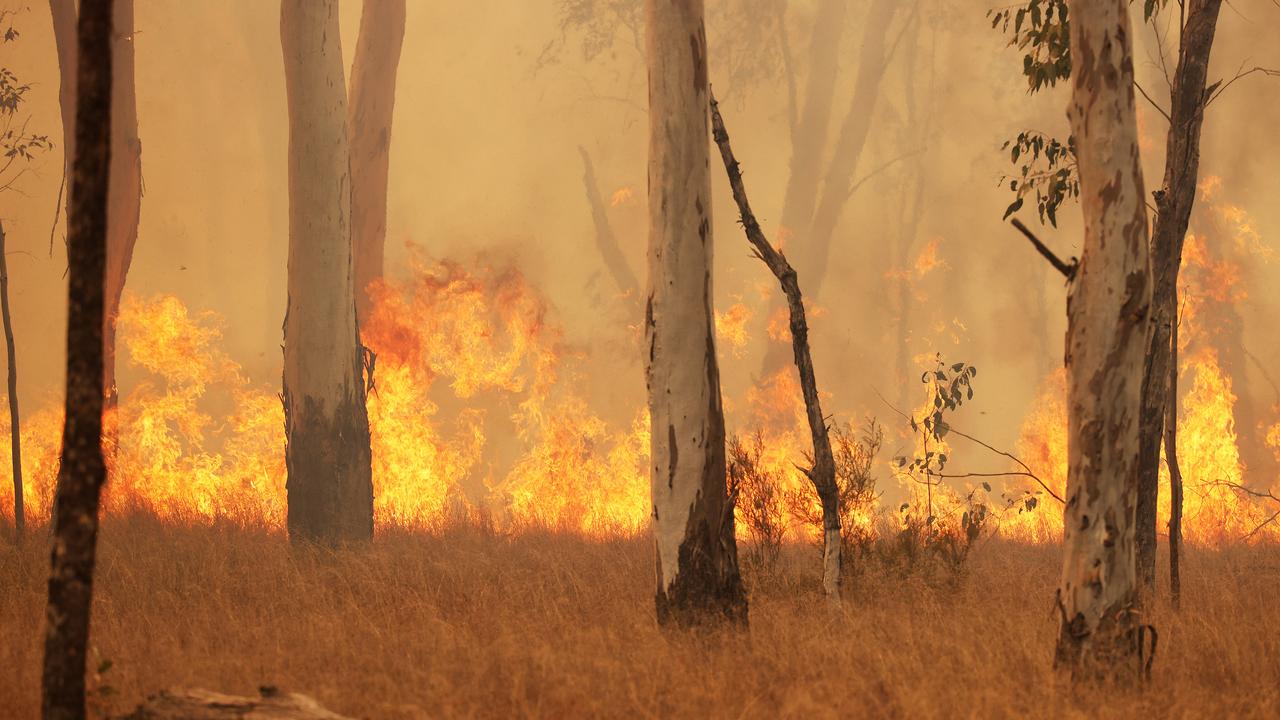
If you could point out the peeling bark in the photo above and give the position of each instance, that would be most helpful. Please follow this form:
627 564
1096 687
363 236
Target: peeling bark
124 203
696 551
1107 335
1174 202
330 490
82 471
373 96
15 426
823 472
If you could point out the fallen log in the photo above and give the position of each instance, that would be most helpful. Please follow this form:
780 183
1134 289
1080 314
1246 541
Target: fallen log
180 704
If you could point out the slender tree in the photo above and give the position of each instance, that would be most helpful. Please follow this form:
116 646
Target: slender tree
1107 323
693 525
373 96
823 471
330 490
15 425
83 470
1174 201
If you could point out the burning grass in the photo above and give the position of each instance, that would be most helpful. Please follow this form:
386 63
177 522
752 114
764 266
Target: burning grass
466 621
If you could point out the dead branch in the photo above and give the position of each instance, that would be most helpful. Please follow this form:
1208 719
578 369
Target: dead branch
1068 270
823 472
606 243
1221 87
1154 104
206 705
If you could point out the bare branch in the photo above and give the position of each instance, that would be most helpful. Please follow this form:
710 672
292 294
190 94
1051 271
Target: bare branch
1068 270
1240 74
1027 472
1154 104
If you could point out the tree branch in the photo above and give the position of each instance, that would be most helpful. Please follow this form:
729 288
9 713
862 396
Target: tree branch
1068 270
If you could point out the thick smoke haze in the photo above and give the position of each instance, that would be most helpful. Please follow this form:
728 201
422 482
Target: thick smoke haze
494 99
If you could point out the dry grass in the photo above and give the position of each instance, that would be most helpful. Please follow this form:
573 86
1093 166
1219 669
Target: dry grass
468 623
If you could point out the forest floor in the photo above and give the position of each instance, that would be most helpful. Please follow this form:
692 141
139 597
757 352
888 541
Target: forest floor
470 623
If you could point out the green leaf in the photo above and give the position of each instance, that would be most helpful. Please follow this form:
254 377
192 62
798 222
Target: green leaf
1014 207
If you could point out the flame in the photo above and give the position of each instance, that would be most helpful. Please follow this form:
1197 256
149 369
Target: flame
477 341
1216 508
621 195
731 327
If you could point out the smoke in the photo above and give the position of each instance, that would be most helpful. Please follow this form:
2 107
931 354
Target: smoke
494 98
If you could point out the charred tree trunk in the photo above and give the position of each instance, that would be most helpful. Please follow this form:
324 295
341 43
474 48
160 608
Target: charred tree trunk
823 472
1175 471
817 226
693 524
1174 202
606 242
373 96
1107 332
83 470
15 427
330 491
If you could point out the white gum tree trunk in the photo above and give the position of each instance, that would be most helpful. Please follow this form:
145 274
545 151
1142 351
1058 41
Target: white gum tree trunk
697 557
1107 327
330 492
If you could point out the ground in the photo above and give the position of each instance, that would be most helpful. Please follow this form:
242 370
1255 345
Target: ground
467 622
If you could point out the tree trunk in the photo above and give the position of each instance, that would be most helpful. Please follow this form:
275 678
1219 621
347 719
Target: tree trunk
82 471
15 426
63 13
1107 329
697 554
823 472
1175 472
1174 202
815 228
373 96
809 136
838 183
330 491
606 242
125 195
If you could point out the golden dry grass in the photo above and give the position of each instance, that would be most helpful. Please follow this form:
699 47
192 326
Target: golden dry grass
470 623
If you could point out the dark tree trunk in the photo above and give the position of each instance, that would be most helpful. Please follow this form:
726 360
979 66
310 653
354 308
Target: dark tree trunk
15 427
823 472
1174 202
82 471
373 97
